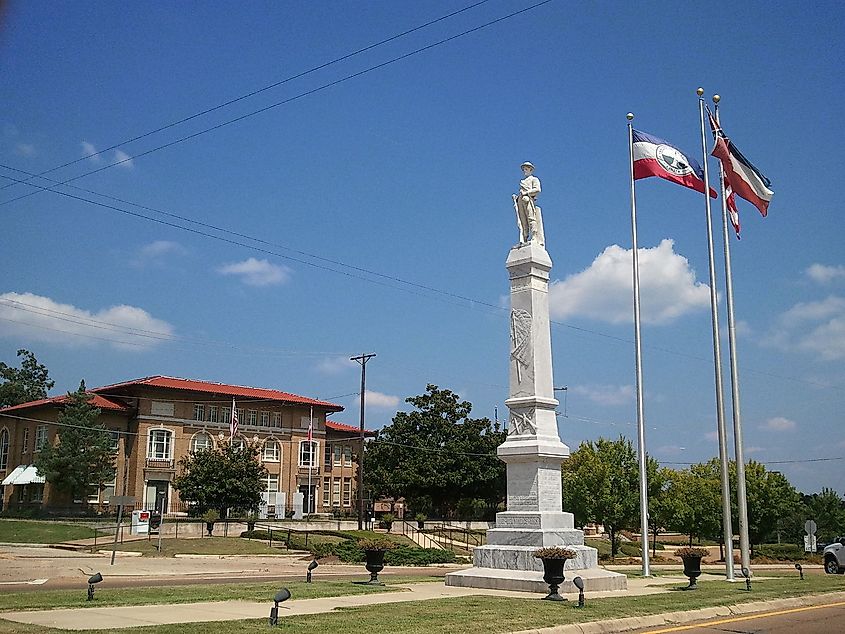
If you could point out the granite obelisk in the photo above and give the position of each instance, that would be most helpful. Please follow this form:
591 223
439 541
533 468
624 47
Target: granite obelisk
533 451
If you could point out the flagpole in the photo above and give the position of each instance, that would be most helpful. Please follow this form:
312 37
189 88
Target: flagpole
745 554
639 362
727 529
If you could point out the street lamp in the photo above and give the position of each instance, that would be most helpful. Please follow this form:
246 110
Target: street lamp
281 595
800 571
747 574
97 578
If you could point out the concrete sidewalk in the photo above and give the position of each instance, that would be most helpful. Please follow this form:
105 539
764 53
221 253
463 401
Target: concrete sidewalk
138 616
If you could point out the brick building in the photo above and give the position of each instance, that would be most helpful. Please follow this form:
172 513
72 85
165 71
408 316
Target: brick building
157 420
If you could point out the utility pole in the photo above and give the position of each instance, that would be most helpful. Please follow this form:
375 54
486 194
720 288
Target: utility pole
362 360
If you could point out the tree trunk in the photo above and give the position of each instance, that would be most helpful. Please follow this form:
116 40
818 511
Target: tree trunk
613 542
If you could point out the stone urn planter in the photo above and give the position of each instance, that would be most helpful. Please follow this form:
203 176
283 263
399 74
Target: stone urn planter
374 550
554 559
692 564
210 517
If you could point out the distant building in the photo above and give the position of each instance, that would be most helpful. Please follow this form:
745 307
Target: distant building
157 420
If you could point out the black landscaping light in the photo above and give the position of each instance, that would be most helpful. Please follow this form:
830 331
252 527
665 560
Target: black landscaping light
97 578
747 574
311 567
281 595
800 571
579 583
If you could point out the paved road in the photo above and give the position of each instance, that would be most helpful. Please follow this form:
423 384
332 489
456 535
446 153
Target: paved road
817 619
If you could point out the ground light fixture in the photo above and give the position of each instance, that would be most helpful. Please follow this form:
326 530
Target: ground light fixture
579 583
800 571
97 578
281 595
311 567
747 574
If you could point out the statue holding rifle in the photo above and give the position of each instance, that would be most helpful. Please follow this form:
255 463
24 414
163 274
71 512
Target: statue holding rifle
529 217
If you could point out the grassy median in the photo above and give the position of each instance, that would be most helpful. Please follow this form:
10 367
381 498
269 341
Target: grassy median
461 615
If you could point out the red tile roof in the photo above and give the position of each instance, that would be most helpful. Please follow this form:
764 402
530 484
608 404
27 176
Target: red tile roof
221 389
331 424
102 402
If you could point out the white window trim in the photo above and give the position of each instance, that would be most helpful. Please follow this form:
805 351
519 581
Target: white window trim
315 464
170 444
201 433
278 453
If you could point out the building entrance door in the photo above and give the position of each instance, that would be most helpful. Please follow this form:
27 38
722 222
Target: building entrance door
157 495
308 498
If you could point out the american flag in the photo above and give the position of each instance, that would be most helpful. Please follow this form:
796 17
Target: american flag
233 425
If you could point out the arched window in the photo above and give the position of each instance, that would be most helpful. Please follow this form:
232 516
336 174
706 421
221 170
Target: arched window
308 453
160 444
238 443
271 451
201 442
4 449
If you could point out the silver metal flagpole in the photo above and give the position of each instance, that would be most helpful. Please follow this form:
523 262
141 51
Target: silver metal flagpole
311 458
745 552
639 363
717 360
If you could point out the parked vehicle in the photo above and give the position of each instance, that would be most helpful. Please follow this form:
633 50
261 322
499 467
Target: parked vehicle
834 557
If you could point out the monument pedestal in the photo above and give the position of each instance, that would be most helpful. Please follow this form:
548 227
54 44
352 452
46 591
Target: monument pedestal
533 453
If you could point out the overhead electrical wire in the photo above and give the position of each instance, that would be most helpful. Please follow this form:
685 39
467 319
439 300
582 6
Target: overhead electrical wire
257 91
292 99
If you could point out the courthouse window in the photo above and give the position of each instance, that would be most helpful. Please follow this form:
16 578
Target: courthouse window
158 447
199 411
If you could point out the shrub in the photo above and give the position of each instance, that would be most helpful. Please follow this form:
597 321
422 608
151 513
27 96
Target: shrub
348 552
409 556
376 543
780 552
689 551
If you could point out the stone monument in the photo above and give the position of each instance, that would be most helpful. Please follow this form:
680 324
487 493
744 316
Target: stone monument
533 451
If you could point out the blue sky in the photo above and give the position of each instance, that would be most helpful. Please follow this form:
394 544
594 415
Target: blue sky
403 175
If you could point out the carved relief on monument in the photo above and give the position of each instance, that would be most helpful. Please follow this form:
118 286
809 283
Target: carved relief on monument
517 521
521 350
522 422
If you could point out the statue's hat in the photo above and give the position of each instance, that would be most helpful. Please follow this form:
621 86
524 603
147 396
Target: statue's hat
527 164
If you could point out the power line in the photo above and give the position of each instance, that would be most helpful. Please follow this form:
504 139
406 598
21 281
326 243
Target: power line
292 99
258 91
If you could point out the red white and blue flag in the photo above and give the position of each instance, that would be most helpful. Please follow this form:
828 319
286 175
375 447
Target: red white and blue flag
233 425
654 156
743 179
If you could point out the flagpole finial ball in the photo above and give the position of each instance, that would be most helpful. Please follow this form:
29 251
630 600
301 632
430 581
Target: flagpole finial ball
630 116
716 98
699 91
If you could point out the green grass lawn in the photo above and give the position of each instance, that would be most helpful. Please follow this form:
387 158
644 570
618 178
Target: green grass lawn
204 546
479 614
35 532
264 591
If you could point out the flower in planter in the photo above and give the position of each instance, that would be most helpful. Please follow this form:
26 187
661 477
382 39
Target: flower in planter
690 551
555 552
369 543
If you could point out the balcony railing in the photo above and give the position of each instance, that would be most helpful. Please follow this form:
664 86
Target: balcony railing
159 463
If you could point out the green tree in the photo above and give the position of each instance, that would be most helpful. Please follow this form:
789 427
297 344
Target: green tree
83 457
661 505
29 383
436 455
770 496
827 510
226 478
600 484
694 495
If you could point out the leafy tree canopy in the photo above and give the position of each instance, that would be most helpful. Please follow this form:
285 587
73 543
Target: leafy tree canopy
601 484
224 478
436 455
29 383
83 458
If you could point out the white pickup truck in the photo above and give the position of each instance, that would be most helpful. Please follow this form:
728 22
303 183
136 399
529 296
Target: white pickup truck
834 557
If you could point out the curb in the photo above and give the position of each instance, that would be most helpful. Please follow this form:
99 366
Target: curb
677 618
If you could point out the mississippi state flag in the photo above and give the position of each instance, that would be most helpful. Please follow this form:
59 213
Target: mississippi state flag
744 179
655 157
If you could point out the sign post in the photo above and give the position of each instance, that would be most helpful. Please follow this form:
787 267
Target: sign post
120 501
810 537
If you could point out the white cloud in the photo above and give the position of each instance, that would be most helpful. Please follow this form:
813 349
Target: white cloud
257 272
89 150
824 274
605 394
335 365
380 400
122 159
39 318
156 252
814 327
603 291
25 149
779 423
670 450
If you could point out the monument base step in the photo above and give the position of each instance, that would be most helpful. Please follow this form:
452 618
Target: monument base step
595 580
